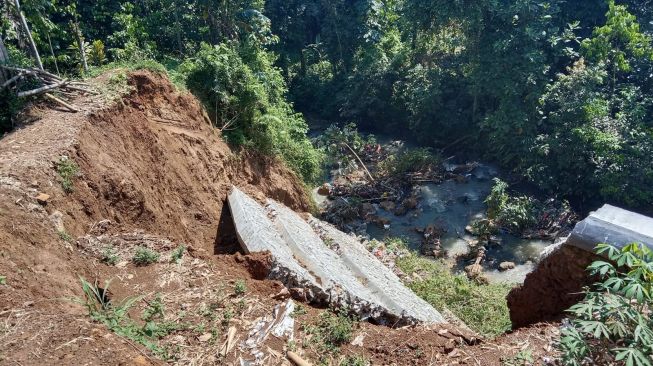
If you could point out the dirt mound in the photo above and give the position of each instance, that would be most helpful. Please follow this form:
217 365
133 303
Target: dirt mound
556 284
155 163
150 162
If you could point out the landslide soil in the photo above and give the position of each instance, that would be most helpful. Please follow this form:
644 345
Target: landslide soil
153 172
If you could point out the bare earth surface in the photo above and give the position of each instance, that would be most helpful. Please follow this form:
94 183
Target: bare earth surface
153 173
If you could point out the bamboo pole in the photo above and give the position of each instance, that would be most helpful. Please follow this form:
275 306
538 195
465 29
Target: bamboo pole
32 44
40 90
360 161
60 101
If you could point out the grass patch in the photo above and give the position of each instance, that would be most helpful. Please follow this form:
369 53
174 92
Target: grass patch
482 307
178 254
333 329
145 256
115 316
354 361
143 64
67 170
63 235
109 256
3 280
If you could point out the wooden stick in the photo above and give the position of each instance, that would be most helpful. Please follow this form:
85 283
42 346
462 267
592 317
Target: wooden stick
292 356
40 90
71 87
59 101
360 161
11 81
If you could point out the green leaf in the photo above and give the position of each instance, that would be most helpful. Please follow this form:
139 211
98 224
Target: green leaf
602 268
633 357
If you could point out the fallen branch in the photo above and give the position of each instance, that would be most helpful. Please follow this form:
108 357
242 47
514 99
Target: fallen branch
360 161
292 356
61 102
40 90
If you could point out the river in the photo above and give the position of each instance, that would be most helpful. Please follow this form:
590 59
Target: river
452 205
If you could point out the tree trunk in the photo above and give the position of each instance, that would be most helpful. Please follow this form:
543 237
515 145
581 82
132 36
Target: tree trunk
80 43
180 44
35 51
54 57
4 59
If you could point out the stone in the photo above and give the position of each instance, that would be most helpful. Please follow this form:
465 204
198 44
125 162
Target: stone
401 210
57 221
410 203
504 266
140 361
42 198
204 337
367 209
495 240
387 205
324 189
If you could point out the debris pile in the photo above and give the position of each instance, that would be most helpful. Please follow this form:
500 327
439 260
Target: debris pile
47 84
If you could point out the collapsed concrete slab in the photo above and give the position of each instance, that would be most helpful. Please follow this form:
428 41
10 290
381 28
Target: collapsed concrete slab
337 269
558 280
612 225
257 233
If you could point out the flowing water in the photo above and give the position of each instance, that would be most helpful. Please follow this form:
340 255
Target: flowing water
452 206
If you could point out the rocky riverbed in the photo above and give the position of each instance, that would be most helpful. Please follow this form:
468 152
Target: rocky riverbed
432 212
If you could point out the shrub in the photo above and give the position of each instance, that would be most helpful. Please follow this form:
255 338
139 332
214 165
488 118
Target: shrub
240 288
512 213
613 324
334 328
110 257
178 254
408 161
67 170
145 256
246 97
115 316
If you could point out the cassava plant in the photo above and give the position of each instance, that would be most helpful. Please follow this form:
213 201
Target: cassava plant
613 325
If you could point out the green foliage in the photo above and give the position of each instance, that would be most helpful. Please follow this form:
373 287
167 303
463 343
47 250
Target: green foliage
144 256
109 256
130 34
245 94
67 170
240 288
619 41
334 141
512 213
354 361
409 161
482 307
522 358
333 329
178 254
63 235
115 316
3 280
613 325
97 55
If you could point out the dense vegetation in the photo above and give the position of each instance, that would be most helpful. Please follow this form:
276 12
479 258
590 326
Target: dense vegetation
612 325
558 91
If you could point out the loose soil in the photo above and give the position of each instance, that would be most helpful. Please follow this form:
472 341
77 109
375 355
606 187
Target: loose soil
154 173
